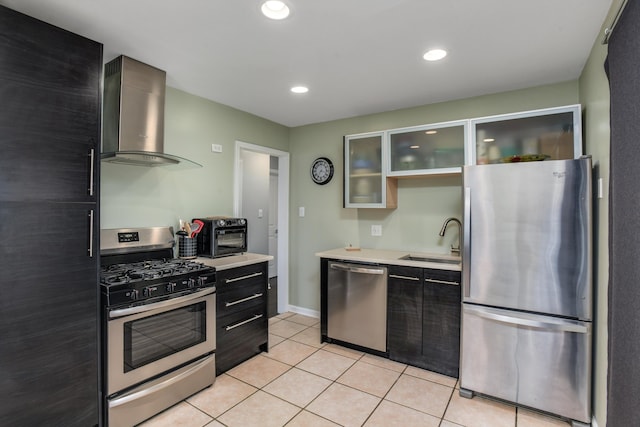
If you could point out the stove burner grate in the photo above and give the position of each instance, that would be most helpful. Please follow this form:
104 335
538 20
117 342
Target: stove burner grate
148 270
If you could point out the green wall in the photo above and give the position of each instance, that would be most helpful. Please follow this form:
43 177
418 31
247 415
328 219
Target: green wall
134 196
594 96
423 203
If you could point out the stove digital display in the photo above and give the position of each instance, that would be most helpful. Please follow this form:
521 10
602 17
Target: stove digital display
128 237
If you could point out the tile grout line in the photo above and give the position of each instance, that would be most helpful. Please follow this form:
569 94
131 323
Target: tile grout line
361 357
355 360
274 379
447 407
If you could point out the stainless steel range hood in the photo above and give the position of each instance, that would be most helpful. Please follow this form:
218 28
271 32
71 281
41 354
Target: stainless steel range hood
133 122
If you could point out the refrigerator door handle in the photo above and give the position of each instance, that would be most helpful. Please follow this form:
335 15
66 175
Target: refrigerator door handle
466 240
523 319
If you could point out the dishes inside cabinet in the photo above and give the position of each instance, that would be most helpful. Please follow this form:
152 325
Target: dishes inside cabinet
525 158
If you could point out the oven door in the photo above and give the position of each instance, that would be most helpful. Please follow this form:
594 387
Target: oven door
148 340
230 240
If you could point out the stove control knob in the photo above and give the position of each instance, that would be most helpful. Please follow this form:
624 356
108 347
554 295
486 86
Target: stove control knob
171 287
133 295
242 221
192 282
149 290
202 280
221 223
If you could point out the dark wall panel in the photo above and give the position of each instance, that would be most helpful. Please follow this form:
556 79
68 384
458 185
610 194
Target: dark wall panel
624 232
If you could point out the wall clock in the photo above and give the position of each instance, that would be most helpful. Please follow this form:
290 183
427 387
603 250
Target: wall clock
321 170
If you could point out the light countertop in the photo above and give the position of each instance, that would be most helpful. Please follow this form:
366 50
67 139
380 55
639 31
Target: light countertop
380 256
233 261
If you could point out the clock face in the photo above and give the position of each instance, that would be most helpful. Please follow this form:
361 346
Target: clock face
321 170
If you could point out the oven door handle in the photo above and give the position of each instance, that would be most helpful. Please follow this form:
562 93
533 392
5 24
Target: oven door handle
114 314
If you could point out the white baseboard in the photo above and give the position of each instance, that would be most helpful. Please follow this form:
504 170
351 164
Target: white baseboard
304 311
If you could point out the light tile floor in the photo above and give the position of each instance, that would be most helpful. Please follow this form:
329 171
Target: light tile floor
303 383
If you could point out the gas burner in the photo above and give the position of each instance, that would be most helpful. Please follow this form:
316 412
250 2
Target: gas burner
118 278
148 270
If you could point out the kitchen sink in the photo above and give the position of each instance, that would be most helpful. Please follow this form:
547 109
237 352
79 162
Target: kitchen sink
422 258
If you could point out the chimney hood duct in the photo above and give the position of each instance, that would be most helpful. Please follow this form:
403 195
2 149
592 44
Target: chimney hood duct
133 122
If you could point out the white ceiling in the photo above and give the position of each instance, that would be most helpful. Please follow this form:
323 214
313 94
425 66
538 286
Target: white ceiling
357 56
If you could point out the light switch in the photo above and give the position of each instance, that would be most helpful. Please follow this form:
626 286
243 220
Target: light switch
216 148
301 211
600 189
376 230
260 213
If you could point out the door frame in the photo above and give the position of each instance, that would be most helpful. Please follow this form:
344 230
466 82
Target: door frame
283 212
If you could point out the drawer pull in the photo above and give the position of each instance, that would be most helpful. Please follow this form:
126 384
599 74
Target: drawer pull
248 276
244 322
254 296
442 282
395 276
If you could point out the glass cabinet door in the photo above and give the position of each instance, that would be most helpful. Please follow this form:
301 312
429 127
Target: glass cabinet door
429 149
365 182
552 134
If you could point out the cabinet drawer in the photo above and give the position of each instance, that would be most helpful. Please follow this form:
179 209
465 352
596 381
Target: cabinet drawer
444 277
239 321
228 280
240 336
405 274
241 297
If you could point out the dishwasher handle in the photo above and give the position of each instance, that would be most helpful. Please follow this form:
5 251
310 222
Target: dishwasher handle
354 269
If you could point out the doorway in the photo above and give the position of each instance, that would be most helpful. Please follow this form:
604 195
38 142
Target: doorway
267 171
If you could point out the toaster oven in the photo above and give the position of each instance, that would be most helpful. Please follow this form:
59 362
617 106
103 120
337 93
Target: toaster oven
222 236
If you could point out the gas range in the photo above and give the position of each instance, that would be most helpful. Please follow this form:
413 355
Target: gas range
137 267
158 324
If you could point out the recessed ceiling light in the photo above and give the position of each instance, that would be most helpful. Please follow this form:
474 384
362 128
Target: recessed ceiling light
299 89
415 147
275 9
435 54
488 140
431 132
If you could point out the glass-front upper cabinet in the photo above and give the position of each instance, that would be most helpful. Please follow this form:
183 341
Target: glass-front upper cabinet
365 184
428 149
553 133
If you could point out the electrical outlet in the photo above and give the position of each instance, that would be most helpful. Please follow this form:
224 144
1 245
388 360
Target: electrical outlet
216 148
376 230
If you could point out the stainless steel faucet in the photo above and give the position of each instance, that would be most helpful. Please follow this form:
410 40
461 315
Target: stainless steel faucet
454 249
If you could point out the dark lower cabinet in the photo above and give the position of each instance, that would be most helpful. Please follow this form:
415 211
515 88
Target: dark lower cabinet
49 140
424 318
404 314
441 322
242 326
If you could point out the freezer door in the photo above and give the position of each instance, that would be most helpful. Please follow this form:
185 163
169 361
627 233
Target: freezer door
527 237
537 361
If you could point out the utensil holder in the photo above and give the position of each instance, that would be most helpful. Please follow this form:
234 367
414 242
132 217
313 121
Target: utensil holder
187 247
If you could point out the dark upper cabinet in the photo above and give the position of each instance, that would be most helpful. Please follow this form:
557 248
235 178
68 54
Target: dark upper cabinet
50 111
49 144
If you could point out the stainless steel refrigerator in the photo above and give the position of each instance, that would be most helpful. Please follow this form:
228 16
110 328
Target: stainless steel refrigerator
527 285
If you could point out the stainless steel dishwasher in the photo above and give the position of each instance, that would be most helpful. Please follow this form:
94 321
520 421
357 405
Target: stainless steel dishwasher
357 304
